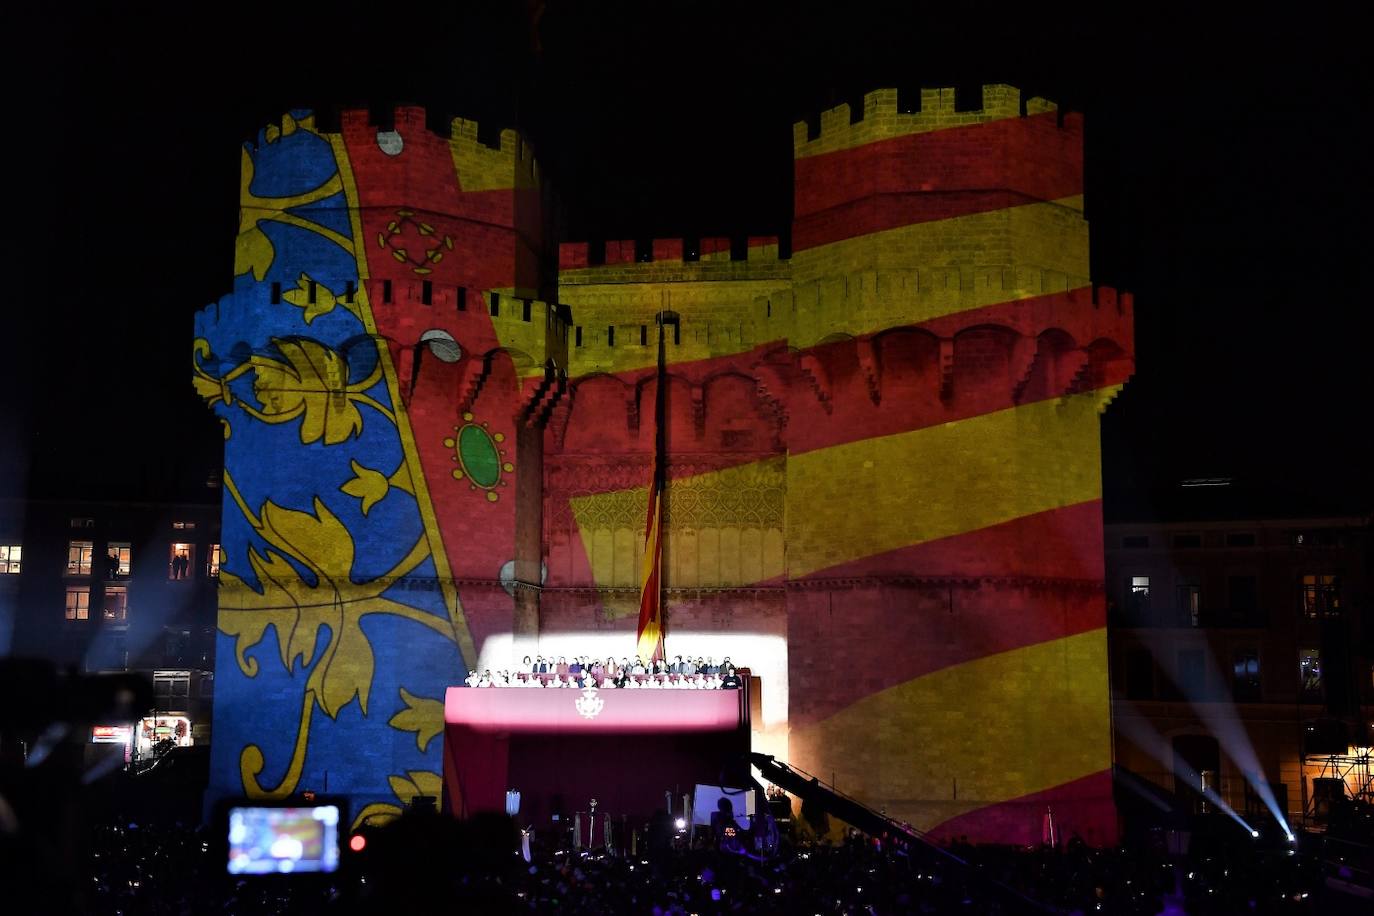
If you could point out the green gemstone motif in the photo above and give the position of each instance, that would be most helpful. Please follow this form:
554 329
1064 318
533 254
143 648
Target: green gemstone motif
481 461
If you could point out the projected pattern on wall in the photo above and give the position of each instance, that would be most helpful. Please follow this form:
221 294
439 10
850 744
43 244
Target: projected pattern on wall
883 461
342 617
888 445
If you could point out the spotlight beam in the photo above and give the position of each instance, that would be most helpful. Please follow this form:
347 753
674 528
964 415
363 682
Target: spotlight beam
1221 718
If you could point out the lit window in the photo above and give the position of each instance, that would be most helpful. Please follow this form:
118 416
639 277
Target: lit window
10 555
181 561
83 522
184 526
1310 674
212 569
116 603
1138 594
118 557
1247 675
78 602
1320 596
79 558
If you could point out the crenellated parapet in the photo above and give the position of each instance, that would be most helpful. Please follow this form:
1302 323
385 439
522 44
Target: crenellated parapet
630 261
888 113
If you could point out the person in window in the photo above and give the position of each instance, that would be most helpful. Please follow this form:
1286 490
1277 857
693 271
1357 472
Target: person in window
731 681
112 565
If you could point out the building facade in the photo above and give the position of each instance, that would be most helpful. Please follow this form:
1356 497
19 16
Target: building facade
1243 648
883 464
117 587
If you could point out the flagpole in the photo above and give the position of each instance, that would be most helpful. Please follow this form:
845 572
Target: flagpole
660 467
649 635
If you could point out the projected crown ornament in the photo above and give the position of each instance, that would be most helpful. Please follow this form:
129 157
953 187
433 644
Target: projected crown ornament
589 705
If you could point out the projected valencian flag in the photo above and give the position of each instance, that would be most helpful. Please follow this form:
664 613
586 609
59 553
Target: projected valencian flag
876 469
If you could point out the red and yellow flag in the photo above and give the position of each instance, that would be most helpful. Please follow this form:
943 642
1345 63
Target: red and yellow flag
650 640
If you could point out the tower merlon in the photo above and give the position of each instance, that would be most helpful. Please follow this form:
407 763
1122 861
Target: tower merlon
882 116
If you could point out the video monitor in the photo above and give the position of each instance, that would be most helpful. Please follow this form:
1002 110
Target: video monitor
279 840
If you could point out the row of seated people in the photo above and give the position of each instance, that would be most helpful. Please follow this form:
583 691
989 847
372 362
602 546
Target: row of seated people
610 668
729 680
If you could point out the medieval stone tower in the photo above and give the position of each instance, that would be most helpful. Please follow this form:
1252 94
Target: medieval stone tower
883 464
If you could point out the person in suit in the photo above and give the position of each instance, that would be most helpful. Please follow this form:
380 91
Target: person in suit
731 681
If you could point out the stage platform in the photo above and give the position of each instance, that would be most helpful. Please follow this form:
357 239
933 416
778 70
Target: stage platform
563 747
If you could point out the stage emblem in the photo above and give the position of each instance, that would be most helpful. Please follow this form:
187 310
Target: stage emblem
589 704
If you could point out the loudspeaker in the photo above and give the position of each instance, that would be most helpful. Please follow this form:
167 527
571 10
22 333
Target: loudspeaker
1325 736
1326 794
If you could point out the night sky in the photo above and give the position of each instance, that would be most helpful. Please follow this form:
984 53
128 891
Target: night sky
1226 188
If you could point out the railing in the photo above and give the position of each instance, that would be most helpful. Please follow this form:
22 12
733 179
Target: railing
640 681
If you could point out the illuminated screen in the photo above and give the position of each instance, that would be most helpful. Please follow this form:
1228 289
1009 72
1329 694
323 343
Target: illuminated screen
266 841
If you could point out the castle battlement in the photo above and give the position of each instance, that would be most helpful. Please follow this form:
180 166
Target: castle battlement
882 117
620 257
510 159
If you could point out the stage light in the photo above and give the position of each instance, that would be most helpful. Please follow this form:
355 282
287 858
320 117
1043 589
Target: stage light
1255 834
680 824
358 843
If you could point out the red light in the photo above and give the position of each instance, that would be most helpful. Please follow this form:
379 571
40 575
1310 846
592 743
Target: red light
357 843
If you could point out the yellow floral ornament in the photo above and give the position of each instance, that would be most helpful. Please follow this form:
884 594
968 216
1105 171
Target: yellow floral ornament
420 782
368 485
423 716
324 297
302 609
311 381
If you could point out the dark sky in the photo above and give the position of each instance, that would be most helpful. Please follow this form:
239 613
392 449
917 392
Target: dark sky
1226 187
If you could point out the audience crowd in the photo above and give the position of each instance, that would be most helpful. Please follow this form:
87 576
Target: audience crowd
430 864
679 673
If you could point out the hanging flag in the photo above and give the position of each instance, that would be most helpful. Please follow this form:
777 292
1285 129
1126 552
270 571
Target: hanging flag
650 637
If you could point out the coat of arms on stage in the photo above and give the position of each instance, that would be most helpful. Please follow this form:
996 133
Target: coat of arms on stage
589 704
